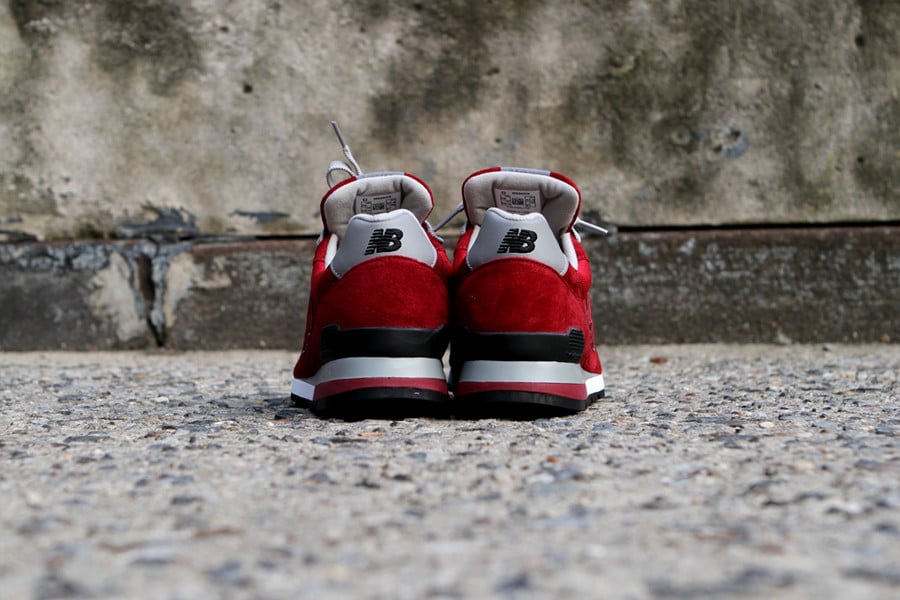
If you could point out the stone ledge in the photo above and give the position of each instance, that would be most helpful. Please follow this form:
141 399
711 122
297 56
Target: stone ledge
834 284
839 284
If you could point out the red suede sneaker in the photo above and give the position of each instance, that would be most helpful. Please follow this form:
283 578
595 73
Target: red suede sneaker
523 332
377 321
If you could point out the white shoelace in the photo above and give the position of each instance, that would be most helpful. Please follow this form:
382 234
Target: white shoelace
579 222
339 166
443 222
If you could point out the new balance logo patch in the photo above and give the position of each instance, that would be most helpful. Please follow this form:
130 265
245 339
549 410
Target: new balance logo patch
384 240
517 241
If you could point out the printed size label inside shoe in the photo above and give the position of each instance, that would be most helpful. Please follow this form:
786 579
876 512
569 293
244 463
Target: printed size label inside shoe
377 203
518 201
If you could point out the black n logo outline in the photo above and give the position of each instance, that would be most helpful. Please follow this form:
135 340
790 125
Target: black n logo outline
517 241
384 240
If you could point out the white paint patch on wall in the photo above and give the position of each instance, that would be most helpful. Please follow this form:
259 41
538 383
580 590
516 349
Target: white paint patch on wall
113 300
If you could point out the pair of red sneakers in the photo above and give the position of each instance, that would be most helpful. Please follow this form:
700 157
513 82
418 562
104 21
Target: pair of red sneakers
385 300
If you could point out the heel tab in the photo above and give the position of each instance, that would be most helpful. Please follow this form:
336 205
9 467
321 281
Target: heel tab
368 237
504 235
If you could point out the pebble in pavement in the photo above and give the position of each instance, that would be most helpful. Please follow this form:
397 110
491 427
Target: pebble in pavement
709 471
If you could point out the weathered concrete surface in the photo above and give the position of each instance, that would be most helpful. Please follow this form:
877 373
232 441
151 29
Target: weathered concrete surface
709 472
782 285
224 296
679 112
773 285
109 295
74 296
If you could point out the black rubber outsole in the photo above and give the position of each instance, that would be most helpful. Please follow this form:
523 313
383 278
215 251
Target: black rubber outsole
378 403
518 405
400 403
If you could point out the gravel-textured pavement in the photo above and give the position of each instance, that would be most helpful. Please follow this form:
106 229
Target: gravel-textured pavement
709 471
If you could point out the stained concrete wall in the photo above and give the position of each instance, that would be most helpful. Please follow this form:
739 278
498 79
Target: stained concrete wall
125 118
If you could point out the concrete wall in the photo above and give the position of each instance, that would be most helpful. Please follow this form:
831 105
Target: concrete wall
123 118
775 286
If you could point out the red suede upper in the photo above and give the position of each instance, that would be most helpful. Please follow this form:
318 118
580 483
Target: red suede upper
519 295
391 291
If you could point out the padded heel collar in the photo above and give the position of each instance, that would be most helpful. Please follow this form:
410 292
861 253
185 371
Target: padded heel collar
523 191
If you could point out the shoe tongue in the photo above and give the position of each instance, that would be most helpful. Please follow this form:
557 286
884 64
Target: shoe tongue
374 194
522 191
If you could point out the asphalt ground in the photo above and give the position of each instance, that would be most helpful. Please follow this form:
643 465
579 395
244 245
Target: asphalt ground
709 471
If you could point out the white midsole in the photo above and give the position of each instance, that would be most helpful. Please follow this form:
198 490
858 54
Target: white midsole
302 389
530 372
594 384
364 367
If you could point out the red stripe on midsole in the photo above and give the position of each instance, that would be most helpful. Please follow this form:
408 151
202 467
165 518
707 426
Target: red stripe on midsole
567 390
338 386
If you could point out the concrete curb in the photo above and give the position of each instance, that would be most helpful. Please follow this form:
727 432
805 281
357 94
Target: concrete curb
834 284
759 285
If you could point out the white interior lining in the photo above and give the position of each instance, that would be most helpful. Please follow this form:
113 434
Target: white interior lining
559 200
341 203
